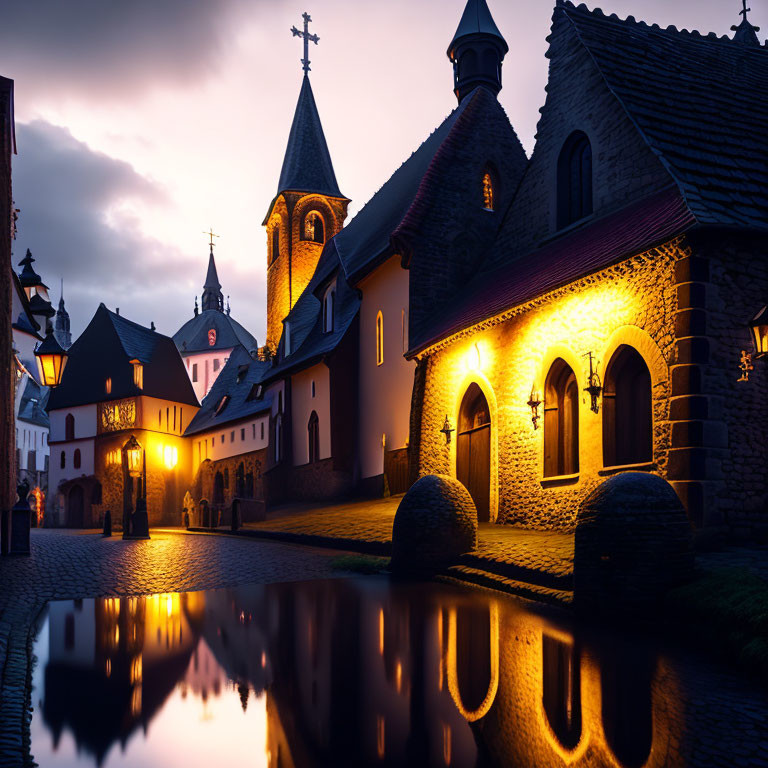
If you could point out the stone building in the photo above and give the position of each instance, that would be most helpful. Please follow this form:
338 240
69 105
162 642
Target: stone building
122 383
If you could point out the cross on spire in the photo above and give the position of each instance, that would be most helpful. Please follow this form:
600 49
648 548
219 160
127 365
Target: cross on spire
307 37
211 235
745 11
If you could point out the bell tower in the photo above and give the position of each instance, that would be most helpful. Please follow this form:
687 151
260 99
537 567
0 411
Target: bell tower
308 209
477 51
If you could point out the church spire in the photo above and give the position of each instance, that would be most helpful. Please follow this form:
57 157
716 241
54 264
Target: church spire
213 298
477 51
746 32
61 324
307 165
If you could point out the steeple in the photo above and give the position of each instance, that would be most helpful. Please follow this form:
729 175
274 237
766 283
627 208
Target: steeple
307 165
28 277
61 325
745 32
213 298
477 51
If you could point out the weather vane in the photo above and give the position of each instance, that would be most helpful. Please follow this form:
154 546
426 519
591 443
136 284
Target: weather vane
307 37
211 235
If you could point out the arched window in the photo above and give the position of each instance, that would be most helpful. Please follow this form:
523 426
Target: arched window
69 427
76 460
286 338
240 480
574 180
314 228
226 478
278 437
561 689
275 241
488 201
63 460
627 410
249 485
313 430
329 302
218 488
379 339
473 449
561 421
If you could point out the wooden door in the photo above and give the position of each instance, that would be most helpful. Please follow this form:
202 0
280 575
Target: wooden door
473 450
75 510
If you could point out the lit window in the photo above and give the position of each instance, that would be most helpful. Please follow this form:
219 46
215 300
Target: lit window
138 374
314 228
574 180
488 192
108 386
194 372
379 339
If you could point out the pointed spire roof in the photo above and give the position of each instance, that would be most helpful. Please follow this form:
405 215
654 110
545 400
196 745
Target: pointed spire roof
307 165
28 276
212 295
476 20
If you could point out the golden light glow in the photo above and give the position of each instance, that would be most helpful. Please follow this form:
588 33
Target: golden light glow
473 357
381 631
399 676
51 369
380 737
108 385
138 374
447 743
170 456
759 328
136 669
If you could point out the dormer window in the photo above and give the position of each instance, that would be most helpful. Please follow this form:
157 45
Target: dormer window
256 393
488 200
108 386
574 180
314 228
286 339
138 374
329 303
223 403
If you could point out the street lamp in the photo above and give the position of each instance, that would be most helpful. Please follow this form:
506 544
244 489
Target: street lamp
51 360
135 519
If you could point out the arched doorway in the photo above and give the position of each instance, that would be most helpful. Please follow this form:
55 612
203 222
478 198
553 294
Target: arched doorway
627 410
75 507
473 450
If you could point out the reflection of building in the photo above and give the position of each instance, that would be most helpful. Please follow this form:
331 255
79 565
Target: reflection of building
121 381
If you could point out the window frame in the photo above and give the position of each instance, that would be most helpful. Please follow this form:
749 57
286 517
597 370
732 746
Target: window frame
379 338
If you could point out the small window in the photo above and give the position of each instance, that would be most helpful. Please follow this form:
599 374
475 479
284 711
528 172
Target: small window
69 427
232 436
313 430
160 418
108 386
329 301
275 241
77 459
313 388
63 460
222 404
253 427
287 339
262 430
574 180
488 201
223 438
379 339
138 374
216 364
314 228
278 438
194 372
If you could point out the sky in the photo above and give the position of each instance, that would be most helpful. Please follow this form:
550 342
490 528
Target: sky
142 123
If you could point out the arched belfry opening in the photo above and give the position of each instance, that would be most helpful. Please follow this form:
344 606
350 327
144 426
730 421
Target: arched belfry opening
473 449
627 410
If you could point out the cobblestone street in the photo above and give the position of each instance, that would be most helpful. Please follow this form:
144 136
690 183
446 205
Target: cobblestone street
77 564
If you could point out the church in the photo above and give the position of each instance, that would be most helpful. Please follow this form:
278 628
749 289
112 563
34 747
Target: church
528 325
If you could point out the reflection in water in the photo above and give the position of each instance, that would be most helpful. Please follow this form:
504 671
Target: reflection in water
360 673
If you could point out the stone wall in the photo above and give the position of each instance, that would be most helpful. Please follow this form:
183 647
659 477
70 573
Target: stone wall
633 303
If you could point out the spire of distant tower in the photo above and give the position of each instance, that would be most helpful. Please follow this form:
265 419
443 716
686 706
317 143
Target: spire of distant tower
477 51
213 298
745 32
61 330
307 37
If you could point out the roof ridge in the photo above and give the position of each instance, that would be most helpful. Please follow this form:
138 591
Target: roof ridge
671 28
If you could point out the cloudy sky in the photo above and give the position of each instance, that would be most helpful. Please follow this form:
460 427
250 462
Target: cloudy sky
141 123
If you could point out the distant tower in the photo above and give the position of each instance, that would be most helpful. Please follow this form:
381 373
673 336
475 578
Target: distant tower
213 298
61 324
308 209
477 51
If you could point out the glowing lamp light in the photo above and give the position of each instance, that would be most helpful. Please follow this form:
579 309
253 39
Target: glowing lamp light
534 401
473 358
133 456
758 325
51 360
170 456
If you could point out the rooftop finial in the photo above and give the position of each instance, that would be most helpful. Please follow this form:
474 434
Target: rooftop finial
196 307
745 32
307 37
229 311
210 233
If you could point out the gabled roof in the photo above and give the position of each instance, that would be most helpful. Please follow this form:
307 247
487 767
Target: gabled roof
39 306
617 236
700 102
366 238
193 335
307 165
105 349
476 20
237 381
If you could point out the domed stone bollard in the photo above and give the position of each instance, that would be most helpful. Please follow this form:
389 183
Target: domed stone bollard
435 523
633 543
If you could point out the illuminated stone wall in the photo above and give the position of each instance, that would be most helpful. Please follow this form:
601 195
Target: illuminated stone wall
633 303
289 272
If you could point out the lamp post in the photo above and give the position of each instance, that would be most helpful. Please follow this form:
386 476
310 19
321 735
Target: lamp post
135 519
758 327
51 360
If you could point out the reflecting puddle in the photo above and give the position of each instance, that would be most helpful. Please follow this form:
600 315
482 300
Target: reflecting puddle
364 672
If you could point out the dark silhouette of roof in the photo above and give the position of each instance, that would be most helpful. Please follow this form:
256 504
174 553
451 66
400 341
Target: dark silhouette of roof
32 404
237 380
105 349
213 298
39 306
476 20
25 321
700 102
28 276
609 240
193 335
307 165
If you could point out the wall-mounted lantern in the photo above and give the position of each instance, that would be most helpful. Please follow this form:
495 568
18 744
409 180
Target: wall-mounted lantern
533 403
133 457
758 327
594 385
51 360
447 429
